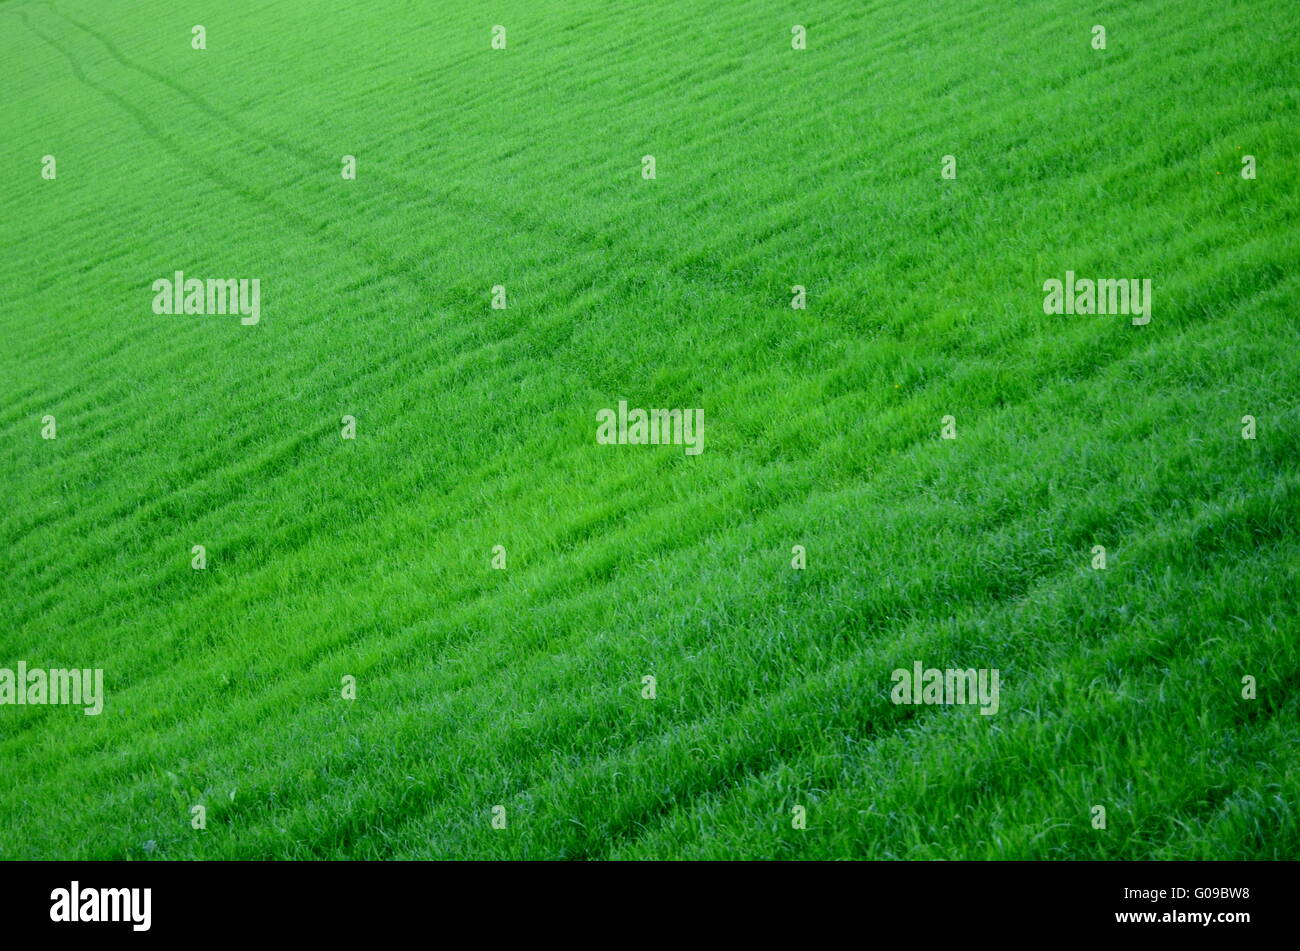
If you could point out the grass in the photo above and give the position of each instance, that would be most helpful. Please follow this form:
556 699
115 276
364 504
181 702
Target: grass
522 688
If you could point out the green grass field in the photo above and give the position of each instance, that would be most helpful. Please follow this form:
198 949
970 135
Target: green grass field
523 688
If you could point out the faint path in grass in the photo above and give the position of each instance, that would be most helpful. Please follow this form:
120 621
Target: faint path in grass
513 219
318 230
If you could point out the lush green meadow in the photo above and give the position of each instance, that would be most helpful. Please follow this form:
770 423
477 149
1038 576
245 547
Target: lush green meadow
475 427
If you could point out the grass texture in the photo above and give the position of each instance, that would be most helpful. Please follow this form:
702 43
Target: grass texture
522 687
